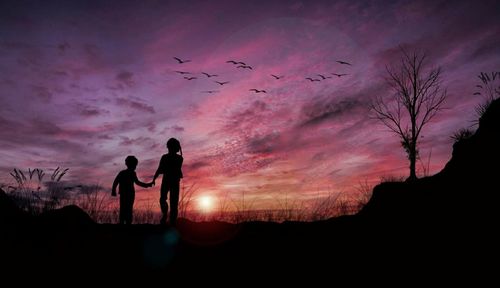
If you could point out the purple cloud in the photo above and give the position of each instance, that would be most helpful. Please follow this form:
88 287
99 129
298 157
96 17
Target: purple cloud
126 78
134 104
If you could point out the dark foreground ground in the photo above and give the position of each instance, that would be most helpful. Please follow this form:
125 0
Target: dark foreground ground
435 231
352 248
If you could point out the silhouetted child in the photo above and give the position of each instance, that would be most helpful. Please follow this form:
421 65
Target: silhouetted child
126 179
170 166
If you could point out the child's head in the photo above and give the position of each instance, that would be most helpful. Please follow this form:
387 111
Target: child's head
131 162
174 146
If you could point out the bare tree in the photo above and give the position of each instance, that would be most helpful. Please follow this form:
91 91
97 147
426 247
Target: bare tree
417 99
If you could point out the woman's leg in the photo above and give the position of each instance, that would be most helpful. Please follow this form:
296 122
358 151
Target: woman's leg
174 201
163 202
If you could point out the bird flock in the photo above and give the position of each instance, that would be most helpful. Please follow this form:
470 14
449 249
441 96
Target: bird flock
243 65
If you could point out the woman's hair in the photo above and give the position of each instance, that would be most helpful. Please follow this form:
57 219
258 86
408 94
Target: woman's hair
174 145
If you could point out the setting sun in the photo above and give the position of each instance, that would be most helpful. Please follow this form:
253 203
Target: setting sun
206 203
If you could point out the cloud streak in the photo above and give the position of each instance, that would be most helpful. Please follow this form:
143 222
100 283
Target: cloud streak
135 104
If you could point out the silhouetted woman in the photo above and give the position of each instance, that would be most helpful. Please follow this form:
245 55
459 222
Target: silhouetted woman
170 166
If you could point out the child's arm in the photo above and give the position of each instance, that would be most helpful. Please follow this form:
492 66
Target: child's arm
115 183
142 184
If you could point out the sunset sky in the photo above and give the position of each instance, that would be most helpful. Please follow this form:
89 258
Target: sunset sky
83 84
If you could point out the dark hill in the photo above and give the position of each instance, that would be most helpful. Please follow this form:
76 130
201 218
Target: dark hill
465 189
450 218
68 216
10 214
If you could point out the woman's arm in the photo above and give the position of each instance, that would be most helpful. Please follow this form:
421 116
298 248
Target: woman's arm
159 170
180 167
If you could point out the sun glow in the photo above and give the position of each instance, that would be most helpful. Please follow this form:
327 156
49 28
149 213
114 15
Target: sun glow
206 203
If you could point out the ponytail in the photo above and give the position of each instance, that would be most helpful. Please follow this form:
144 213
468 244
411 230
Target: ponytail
174 145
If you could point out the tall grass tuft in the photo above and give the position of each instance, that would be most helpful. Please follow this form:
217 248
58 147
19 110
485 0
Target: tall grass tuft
28 192
489 90
462 134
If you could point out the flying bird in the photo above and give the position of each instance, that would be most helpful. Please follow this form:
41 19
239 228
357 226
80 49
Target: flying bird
221 83
311 79
181 61
245 67
344 63
232 61
258 91
477 93
182 72
190 78
277 77
209 75
210 91
339 75
324 77
241 63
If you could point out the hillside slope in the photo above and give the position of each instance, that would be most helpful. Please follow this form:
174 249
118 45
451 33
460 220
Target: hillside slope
466 189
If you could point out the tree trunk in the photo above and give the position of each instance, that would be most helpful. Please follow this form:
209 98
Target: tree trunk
413 163
414 138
